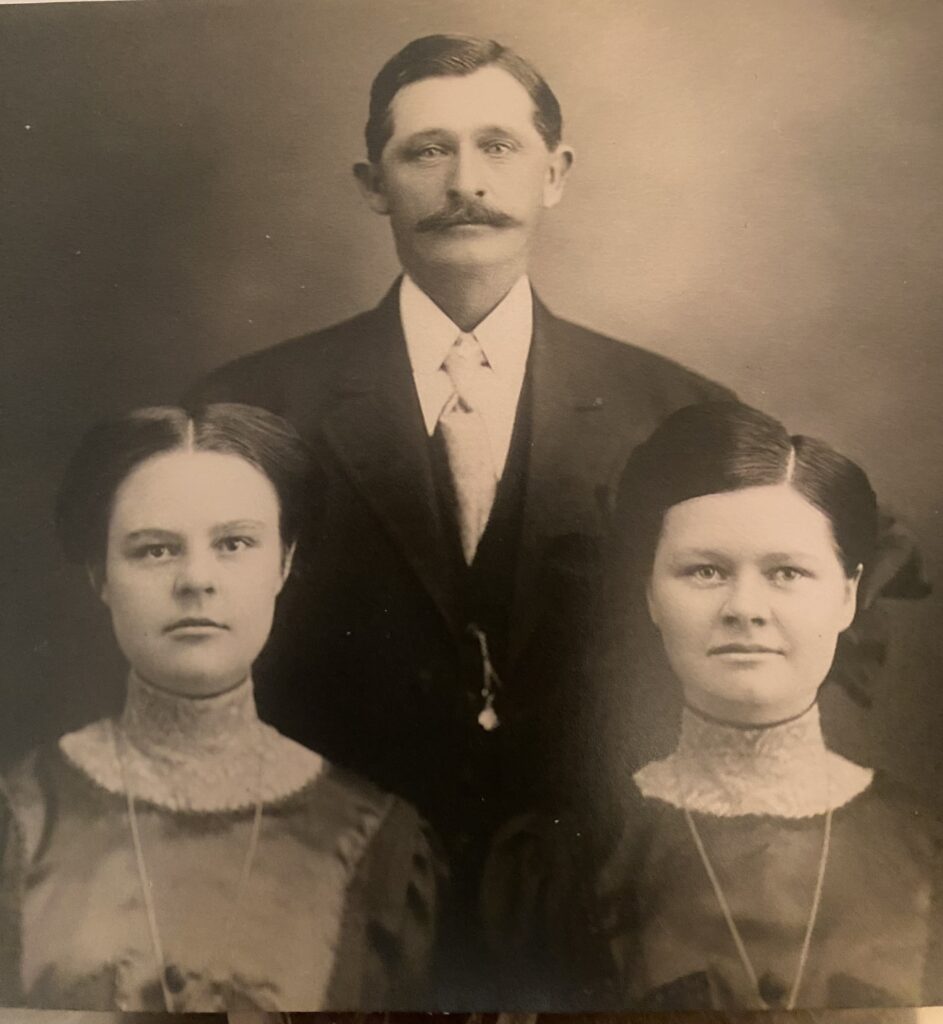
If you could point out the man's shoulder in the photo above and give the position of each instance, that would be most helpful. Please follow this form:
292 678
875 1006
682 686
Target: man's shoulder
622 363
322 344
315 358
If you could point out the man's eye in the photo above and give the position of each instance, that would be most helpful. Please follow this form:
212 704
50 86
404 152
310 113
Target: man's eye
499 147
429 153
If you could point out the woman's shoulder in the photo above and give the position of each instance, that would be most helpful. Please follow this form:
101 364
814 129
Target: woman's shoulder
33 788
901 804
36 779
360 817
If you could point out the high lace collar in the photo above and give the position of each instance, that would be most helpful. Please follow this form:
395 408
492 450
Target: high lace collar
784 770
171 727
191 753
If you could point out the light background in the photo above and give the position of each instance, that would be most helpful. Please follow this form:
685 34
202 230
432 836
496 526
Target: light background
757 194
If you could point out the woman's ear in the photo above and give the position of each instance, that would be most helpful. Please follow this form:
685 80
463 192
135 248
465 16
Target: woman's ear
650 601
288 558
95 572
851 598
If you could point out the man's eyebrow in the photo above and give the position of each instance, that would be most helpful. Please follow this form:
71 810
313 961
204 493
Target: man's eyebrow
497 129
425 134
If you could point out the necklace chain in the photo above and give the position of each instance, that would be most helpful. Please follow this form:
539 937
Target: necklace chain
745 960
147 887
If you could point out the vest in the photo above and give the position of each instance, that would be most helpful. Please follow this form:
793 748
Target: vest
484 590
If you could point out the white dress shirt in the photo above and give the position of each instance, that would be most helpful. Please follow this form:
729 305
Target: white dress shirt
504 336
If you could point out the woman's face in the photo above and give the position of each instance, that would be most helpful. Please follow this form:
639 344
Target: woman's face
193 565
749 595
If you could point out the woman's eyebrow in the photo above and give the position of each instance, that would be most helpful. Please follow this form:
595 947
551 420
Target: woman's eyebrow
789 556
151 532
707 554
239 524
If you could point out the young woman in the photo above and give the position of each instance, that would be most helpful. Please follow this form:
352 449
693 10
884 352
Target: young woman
752 867
184 855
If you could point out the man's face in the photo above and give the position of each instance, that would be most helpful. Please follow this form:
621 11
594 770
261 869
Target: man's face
465 174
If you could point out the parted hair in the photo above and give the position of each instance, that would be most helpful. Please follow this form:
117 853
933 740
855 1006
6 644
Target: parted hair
113 448
716 447
439 56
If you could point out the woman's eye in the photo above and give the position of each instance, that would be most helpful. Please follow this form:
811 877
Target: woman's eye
788 574
154 552
705 573
233 544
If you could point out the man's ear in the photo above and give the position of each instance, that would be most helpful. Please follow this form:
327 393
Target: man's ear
370 180
288 557
561 160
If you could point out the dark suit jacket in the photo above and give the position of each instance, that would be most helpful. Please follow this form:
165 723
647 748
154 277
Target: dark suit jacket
371 664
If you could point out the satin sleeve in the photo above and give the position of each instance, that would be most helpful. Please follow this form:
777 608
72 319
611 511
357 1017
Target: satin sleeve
933 970
400 882
540 916
10 870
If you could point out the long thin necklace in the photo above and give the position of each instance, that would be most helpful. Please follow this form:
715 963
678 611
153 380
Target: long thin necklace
745 960
167 977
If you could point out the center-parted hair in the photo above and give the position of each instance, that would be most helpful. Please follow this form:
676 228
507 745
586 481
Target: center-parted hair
717 447
114 448
441 56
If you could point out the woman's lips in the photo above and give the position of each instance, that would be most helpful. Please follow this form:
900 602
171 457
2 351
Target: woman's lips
194 626
744 650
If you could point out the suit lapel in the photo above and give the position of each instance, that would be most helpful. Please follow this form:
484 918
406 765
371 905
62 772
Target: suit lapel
376 430
568 434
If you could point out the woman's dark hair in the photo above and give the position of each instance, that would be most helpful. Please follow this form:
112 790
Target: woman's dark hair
725 446
113 448
440 56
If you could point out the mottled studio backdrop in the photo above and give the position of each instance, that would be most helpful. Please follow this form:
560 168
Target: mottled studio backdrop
757 194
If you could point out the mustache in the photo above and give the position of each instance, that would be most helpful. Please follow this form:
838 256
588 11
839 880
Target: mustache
470 211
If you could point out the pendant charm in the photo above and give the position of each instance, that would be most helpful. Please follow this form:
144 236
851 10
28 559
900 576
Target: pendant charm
488 718
174 979
773 991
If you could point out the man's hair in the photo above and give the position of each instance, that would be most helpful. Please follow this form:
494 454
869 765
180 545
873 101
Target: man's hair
440 56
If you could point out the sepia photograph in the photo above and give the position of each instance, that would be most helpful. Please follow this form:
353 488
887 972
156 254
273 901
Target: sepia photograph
473 477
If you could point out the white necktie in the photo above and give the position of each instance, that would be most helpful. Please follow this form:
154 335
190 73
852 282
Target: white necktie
466 440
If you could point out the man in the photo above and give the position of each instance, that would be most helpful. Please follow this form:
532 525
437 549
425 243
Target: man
469 440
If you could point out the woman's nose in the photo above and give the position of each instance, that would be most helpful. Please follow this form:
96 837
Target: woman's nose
467 177
196 575
747 599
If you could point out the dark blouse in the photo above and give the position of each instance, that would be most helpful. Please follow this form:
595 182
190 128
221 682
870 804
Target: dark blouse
338 912
639 926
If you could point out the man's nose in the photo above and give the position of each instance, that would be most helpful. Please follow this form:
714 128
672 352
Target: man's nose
196 574
468 174
747 600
